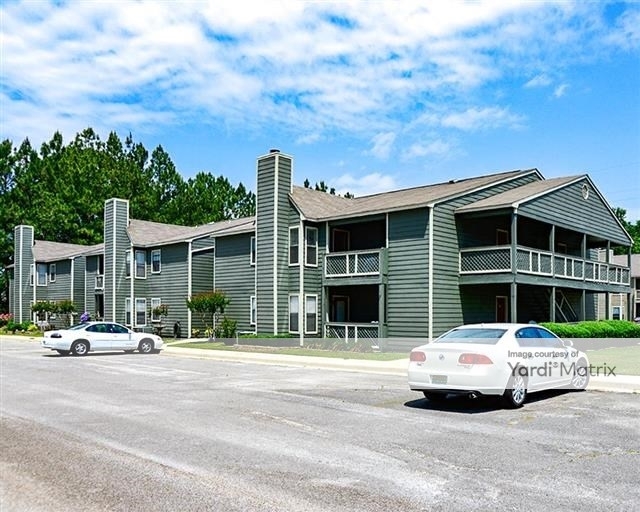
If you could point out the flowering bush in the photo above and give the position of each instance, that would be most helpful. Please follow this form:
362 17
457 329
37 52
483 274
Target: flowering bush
160 311
5 318
85 317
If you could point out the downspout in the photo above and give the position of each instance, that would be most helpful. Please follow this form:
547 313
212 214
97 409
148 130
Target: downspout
430 286
114 267
302 252
72 271
19 280
189 282
132 268
275 247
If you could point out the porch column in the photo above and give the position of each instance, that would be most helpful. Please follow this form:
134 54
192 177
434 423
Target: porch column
552 305
583 305
381 306
631 296
607 296
514 267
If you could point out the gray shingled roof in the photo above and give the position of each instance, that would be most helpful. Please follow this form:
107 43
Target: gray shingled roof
320 206
45 251
143 233
621 259
518 195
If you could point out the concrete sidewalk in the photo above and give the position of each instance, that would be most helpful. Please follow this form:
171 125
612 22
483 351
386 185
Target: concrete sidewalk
398 367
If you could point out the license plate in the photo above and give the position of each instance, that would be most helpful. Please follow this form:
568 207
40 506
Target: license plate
438 379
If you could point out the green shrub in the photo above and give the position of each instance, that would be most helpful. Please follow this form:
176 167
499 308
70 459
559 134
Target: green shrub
595 329
226 328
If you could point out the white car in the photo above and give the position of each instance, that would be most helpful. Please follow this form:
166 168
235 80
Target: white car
100 336
510 360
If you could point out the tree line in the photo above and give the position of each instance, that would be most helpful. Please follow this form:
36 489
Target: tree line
61 188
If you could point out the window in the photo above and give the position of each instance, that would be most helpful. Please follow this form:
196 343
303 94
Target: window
52 273
311 314
141 312
127 263
141 264
155 261
42 274
252 257
253 312
127 311
311 246
294 313
293 246
100 265
31 272
154 304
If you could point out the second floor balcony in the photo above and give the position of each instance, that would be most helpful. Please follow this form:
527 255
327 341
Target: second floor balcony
498 259
367 263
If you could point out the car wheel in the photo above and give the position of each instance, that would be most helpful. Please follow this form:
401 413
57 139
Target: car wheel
580 379
146 346
516 392
435 397
80 348
63 352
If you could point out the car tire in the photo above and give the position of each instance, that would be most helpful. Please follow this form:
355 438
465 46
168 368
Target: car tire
580 378
80 348
146 346
63 352
435 397
516 391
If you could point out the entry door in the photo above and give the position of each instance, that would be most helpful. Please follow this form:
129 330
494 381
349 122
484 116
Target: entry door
340 308
502 308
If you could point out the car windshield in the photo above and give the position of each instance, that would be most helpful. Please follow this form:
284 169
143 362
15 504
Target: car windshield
474 335
77 326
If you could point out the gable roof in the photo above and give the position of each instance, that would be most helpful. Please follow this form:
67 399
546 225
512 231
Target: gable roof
320 206
45 251
144 233
512 198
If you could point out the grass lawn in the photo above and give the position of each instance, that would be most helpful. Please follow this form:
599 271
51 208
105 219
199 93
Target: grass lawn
626 360
295 351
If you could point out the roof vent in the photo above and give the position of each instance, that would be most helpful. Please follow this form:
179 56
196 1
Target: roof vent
274 150
453 181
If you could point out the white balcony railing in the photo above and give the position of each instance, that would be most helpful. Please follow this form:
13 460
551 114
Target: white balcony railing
351 332
496 259
99 282
354 263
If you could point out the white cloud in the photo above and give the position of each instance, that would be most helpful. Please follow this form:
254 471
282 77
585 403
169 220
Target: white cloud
144 65
372 183
541 80
382 144
435 147
559 91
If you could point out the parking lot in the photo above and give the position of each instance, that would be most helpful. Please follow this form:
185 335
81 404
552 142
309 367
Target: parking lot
154 432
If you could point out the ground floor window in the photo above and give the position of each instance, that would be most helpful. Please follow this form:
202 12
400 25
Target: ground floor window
127 311
252 310
141 312
294 313
311 314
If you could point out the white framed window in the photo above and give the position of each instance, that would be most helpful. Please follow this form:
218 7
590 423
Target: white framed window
141 264
252 256
156 261
294 313
155 302
294 243
311 314
253 310
41 271
31 273
52 272
127 264
141 312
311 246
127 311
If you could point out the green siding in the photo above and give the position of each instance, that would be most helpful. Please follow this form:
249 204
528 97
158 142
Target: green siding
235 276
567 208
447 304
116 243
408 274
23 259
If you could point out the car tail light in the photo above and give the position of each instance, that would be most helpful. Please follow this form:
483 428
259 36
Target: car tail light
474 359
418 357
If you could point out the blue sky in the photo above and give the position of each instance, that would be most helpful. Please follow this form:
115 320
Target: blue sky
367 96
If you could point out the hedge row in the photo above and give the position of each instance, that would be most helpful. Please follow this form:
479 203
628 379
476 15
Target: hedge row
595 329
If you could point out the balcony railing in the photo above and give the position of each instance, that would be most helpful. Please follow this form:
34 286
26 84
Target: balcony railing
353 332
354 263
497 259
100 282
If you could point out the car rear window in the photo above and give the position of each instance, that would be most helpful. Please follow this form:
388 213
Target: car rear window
477 336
